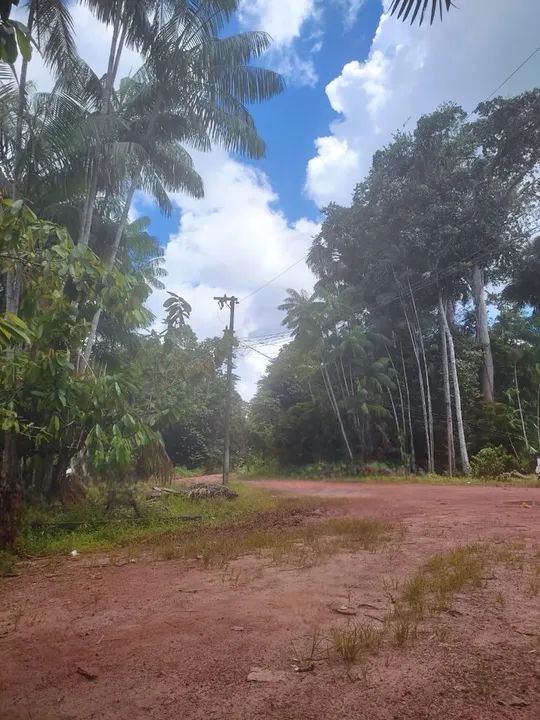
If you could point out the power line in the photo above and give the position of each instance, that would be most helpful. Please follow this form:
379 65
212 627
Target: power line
257 351
514 72
266 284
267 339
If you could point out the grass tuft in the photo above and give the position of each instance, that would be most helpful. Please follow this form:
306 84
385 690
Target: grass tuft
308 650
354 640
433 588
534 583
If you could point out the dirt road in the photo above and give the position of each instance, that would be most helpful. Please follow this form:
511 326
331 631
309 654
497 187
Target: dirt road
168 640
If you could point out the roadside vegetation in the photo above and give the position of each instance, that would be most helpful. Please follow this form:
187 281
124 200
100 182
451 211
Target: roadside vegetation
416 353
212 530
418 607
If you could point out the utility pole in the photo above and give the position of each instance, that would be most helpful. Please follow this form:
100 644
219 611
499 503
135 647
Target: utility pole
229 302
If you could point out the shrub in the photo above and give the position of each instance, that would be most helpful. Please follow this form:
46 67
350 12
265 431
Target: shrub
490 462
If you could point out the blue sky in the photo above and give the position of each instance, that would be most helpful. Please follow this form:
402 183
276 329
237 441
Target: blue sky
290 122
354 76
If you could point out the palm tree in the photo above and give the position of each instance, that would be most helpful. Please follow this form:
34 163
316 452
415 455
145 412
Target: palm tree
143 24
193 88
49 23
307 318
403 8
303 316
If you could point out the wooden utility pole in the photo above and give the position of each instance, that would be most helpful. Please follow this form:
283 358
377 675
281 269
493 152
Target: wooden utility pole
229 302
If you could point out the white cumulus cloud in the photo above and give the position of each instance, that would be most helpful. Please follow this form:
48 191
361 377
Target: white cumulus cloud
232 242
285 21
282 19
409 72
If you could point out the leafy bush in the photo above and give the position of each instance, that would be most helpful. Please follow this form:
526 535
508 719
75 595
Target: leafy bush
490 462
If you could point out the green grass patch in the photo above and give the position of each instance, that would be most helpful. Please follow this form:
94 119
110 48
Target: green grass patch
97 530
280 535
433 588
254 523
354 640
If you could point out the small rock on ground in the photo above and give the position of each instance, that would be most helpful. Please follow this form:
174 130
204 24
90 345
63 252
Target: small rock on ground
268 676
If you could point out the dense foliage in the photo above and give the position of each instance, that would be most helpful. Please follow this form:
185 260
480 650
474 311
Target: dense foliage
421 343
85 383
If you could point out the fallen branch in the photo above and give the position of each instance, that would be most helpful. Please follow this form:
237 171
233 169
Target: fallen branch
170 491
86 674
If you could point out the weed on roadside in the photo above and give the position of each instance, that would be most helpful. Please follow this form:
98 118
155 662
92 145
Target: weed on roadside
308 650
534 583
7 564
352 641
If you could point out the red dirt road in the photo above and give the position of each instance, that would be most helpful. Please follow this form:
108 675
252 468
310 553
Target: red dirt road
163 638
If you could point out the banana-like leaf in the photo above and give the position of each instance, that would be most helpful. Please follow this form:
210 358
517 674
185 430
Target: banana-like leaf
13 331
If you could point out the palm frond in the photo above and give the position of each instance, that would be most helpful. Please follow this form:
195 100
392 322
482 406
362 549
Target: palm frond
55 33
403 9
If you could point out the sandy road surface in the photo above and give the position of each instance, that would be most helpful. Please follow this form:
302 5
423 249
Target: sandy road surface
169 640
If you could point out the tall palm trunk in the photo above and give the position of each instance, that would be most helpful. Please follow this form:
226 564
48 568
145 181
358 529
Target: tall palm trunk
457 392
447 395
403 438
120 228
428 384
21 105
10 491
344 376
332 397
520 409
538 416
115 52
482 333
409 413
399 429
13 279
429 449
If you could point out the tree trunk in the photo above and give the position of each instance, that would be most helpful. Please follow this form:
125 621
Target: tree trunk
482 333
21 103
447 395
409 413
538 418
520 409
114 252
13 280
422 389
344 377
457 393
10 493
431 467
340 384
335 406
115 51
403 440
398 427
